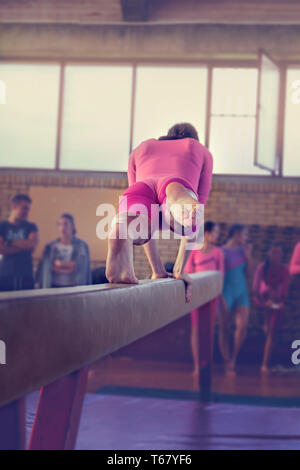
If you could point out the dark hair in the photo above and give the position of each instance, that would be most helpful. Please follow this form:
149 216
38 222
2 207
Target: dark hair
235 228
70 218
18 198
267 260
209 226
181 131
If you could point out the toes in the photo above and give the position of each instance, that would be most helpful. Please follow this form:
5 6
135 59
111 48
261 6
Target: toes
125 279
131 280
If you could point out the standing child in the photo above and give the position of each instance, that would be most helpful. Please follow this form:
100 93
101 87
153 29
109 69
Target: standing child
208 258
270 289
238 261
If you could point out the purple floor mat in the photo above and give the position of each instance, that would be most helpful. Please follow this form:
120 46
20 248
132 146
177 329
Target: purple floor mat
123 422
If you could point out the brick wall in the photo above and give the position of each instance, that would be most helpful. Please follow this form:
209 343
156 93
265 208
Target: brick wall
255 201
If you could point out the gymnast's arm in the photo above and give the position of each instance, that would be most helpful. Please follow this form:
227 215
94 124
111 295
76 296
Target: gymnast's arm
182 257
250 262
178 271
131 172
205 179
158 269
257 280
153 256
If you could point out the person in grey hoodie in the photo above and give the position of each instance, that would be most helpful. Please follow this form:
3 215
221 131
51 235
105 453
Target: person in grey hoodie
66 260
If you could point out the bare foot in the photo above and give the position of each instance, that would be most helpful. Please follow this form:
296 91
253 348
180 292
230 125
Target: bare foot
161 275
230 369
119 263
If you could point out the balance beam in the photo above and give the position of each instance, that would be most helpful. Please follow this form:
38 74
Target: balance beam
51 334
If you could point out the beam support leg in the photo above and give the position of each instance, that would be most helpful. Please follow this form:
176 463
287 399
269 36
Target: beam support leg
206 327
58 413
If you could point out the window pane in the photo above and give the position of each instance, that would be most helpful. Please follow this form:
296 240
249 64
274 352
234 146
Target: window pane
234 91
28 120
96 118
232 145
291 155
233 120
167 95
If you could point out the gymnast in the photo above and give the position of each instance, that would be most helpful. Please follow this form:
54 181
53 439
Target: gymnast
209 258
235 300
270 289
169 180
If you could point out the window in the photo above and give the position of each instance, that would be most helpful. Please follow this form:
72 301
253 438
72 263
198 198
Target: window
28 119
167 95
233 120
291 153
97 114
96 118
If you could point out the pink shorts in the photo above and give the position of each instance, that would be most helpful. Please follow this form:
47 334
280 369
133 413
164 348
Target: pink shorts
149 197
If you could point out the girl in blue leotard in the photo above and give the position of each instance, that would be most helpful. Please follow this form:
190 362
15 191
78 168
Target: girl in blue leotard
238 260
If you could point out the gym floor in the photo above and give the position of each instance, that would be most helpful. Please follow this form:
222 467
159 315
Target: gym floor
128 372
144 405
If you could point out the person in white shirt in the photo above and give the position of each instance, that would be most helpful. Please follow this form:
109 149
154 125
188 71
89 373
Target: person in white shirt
66 260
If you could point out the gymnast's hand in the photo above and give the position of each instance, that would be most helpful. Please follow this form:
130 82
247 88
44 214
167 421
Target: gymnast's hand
187 282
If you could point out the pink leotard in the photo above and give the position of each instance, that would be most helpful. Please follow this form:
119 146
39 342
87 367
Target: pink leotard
199 262
277 279
295 261
212 261
155 163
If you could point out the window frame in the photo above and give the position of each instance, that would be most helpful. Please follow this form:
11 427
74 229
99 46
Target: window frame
209 64
278 147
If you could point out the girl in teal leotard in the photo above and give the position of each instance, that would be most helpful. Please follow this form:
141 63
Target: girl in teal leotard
238 260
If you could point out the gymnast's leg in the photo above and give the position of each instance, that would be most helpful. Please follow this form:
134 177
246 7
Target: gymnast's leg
132 225
224 331
241 322
183 204
272 321
119 263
